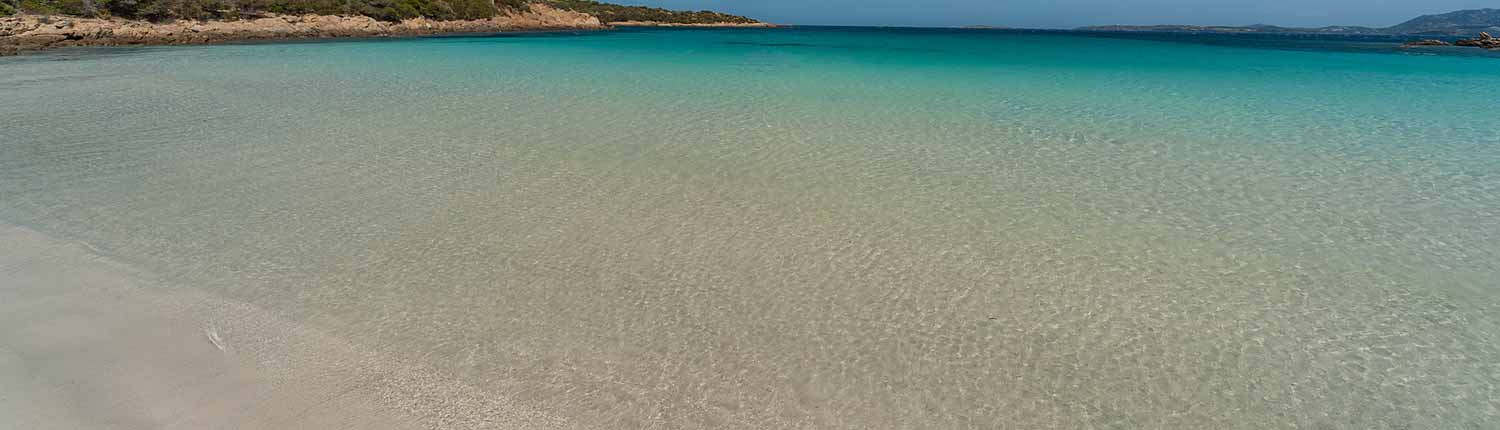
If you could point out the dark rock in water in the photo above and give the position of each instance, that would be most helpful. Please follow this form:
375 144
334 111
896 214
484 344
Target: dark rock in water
1428 42
1484 41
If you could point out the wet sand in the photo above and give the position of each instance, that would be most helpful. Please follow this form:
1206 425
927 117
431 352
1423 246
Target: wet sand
86 342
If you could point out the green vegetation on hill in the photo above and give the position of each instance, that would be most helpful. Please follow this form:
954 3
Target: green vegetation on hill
388 10
616 13
161 10
1460 22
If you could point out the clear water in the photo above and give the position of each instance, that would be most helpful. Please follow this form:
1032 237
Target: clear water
819 228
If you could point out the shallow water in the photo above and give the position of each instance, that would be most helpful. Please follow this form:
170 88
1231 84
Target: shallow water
818 228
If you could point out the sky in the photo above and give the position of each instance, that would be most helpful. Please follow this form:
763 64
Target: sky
1074 13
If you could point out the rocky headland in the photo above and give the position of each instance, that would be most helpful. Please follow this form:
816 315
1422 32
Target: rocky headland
644 16
43 24
34 32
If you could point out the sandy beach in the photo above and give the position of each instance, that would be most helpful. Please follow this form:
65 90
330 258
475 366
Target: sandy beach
92 343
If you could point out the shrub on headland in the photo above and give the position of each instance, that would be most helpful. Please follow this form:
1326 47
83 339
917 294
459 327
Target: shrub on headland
165 10
387 10
616 13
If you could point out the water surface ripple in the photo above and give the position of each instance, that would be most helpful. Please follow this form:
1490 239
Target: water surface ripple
817 228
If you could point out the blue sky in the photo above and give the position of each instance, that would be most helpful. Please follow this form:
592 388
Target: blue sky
1072 13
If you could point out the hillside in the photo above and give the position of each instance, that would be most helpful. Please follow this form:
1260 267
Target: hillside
1459 23
165 10
384 10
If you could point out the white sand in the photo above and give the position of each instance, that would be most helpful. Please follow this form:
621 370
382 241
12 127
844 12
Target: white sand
88 343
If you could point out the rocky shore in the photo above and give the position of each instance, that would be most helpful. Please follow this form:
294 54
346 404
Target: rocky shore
33 32
703 25
1483 41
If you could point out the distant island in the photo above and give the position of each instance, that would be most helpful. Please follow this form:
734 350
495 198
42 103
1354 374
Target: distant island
1460 23
27 25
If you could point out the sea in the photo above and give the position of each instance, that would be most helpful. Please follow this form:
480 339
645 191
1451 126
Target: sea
816 227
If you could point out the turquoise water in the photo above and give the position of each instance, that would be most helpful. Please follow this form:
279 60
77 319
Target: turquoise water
818 228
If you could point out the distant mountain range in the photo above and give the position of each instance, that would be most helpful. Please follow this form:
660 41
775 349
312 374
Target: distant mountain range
1459 23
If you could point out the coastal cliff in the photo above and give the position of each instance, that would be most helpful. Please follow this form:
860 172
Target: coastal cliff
33 32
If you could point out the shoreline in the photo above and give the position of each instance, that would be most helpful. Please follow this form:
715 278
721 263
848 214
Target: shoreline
30 33
89 342
702 25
